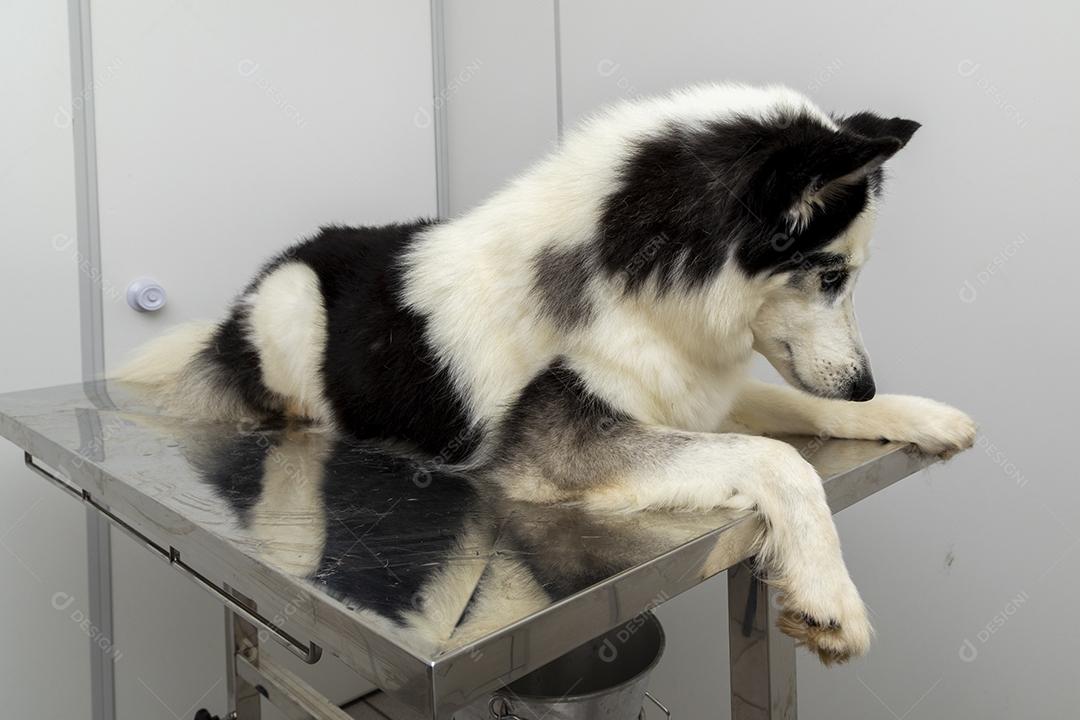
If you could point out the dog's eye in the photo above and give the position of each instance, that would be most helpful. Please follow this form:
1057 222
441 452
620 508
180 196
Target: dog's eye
815 185
833 280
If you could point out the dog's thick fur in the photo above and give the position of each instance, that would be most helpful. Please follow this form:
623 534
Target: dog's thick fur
584 335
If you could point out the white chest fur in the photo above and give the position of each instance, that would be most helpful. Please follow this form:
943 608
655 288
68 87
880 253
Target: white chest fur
658 383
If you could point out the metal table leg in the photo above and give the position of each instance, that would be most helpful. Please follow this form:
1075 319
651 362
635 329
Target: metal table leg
252 676
242 638
762 659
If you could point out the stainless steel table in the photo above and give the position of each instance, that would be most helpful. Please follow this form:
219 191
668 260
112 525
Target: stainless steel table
433 591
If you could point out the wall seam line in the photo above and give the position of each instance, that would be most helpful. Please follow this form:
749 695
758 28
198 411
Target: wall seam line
92 340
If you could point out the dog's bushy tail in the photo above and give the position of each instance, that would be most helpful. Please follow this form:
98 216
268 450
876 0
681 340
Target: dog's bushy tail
174 370
164 360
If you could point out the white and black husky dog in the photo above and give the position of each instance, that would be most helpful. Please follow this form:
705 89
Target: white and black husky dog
584 335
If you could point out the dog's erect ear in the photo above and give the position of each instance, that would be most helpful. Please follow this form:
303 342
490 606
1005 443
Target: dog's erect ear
850 158
864 142
870 125
798 174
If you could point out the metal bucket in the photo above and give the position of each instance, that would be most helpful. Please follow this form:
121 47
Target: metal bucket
604 679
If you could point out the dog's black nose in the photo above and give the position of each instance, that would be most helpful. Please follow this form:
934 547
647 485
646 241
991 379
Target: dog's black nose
862 387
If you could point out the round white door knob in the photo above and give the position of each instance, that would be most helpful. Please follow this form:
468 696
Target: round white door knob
145 295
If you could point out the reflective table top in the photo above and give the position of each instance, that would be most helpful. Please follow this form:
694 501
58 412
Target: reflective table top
429 586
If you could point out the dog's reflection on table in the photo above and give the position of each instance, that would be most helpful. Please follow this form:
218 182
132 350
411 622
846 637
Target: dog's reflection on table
422 550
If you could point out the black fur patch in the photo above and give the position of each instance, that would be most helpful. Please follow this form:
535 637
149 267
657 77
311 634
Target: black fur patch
381 376
723 190
812 261
232 363
560 281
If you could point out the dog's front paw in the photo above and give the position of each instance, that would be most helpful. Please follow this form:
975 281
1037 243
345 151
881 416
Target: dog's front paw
837 629
934 427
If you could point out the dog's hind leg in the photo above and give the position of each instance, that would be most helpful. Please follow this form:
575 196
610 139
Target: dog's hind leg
934 427
287 320
562 443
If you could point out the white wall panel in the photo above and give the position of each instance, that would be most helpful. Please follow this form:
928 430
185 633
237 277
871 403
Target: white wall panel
45 661
500 96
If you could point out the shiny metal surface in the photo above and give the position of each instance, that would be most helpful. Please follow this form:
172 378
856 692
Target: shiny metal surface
761 659
433 590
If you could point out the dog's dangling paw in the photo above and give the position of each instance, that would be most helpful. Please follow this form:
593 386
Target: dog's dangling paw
933 427
834 641
835 636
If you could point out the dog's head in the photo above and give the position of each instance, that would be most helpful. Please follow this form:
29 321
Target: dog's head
783 196
826 190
